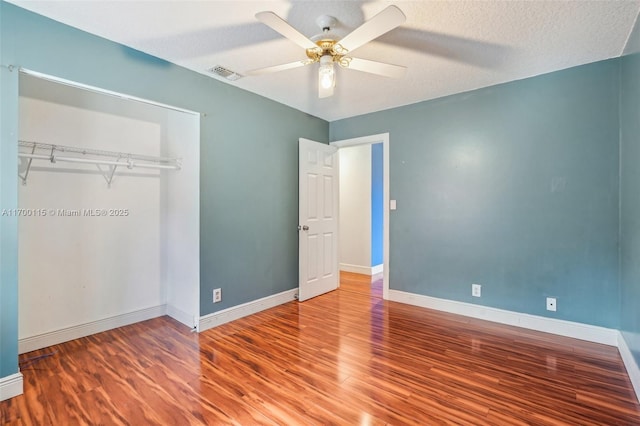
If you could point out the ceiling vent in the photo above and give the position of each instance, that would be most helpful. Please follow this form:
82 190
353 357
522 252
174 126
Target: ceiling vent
225 73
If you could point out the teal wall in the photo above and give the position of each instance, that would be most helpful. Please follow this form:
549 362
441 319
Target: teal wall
514 187
249 160
630 205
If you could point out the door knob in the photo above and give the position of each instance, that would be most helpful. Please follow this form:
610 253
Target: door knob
304 228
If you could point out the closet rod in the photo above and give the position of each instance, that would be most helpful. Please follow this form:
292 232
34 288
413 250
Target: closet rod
129 164
97 152
118 159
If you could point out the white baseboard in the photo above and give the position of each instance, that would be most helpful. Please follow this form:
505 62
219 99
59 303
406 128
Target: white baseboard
11 386
576 330
630 364
179 315
236 312
358 269
44 340
378 269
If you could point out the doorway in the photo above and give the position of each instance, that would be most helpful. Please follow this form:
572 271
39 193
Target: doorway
370 141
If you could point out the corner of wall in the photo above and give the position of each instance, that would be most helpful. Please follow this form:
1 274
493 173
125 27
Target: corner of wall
632 44
8 201
619 194
629 363
11 386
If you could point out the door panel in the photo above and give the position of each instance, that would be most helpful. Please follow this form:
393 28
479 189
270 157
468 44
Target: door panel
318 219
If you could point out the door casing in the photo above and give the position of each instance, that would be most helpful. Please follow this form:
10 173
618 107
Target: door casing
370 140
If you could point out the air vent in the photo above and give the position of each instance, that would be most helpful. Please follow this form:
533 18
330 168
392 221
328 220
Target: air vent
225 73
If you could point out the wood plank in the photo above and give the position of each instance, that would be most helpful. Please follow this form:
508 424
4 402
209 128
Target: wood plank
346 357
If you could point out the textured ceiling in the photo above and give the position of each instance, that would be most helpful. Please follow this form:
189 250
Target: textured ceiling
448 46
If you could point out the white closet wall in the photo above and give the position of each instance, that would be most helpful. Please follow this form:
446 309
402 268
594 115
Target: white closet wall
181 221
79 270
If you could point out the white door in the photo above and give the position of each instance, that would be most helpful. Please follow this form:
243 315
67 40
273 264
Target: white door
318 219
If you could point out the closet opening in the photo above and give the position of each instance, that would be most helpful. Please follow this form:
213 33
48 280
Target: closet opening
108 230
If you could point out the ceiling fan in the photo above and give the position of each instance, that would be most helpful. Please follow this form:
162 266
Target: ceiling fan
328 49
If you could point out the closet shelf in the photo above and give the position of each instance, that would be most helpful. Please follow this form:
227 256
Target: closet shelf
112 159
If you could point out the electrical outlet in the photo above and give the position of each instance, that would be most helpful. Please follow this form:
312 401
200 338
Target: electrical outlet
551 304
476 290
217 295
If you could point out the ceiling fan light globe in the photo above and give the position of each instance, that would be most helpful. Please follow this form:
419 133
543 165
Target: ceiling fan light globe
327 78
326 75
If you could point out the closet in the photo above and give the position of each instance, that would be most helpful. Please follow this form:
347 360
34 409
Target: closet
108 211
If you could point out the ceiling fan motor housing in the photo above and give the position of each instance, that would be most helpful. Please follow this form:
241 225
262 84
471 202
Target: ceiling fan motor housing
329 47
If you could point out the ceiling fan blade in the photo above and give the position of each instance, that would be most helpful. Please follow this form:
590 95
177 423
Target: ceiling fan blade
276 68
324 93
280 25
379 68
383 22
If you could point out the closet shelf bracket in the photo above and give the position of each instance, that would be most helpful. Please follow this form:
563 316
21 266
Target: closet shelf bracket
111 173
26 172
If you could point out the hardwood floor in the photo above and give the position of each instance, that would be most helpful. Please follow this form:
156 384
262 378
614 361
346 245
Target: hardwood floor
347 357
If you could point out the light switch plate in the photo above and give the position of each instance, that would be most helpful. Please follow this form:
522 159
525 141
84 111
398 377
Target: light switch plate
392 204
